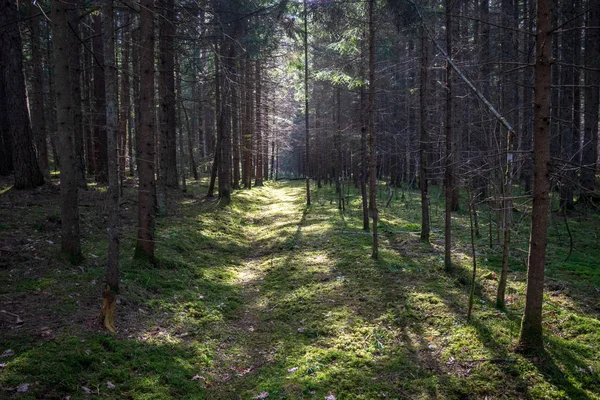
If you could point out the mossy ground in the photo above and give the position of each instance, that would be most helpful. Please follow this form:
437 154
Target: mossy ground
269 296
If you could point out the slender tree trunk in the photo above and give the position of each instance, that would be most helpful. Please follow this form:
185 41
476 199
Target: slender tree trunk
145 136
217 153
166 89
258 127
449 173
36 102
69 211
100 151
26 168
112 135
372 136
6 166
307 137
424 141
125 120
75 59
235 128
531 327
224 126
592 87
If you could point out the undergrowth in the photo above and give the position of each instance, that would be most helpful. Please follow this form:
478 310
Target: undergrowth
269 297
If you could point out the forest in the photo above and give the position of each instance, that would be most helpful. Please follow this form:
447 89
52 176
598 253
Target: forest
299 199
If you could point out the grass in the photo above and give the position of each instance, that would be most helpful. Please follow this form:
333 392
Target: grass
268 296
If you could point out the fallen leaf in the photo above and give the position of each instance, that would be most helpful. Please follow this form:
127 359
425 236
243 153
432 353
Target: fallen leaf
2 365
262 395
198 378
330 397
110 385
86 390
292 370
23 388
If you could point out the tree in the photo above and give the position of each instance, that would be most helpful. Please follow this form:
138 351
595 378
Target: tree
423 140
69 202
100 154
448 157
307 137
36 102
24 160
531 327
145 136
112 134
372 134
592 90
166 92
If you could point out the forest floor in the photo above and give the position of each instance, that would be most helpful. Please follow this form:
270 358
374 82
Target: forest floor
269 299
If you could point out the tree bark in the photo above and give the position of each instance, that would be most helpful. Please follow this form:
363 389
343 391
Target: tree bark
75 59
449 165
424 140
112 136
592 83
258 130
145 136
36 102
372 133
100 150
69 210
166 90
531 327
26 169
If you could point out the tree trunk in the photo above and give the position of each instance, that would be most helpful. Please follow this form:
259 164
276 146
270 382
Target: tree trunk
372 136
27 171
75 55
592 87
36 99
531 327
145 136
258 127
166 90
100 150
112 136
307 131
224 127
69 210
449 173
424 141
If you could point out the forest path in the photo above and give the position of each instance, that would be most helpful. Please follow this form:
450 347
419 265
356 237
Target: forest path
271 232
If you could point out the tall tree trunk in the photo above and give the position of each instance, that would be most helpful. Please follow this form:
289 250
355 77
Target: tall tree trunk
531 327
69 210
307 137
112 136
224 120
424 140
217 153
145 136
449 173
36 102
6 166
258 127
75 55
100 151
125 117
235 129
27 171
592 87
372 136
166 90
